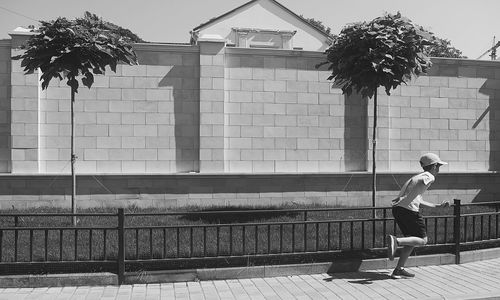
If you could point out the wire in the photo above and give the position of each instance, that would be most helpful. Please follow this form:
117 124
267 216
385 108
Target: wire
19 14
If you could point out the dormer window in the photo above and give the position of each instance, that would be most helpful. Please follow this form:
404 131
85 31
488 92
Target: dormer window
263 38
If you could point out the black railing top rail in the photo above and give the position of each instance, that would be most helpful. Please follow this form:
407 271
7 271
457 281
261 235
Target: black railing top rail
492 203
58 214
480 214
59 228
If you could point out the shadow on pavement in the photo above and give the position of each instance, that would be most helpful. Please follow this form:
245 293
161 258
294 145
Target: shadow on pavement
360 277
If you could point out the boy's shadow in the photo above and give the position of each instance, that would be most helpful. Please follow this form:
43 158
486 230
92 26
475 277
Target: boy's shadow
360 277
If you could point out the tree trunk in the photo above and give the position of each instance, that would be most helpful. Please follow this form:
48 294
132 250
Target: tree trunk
374 142
73 156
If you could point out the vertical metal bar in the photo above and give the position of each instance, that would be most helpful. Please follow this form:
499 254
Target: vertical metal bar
150 243
191 241
218 240
136 243
340 235
317 236
329 236
374 228
384 227
293 238
496 223
482 228
268 238
445 230
31 244
61 244
205 241
178 242
281 238
243 237
362 234
489 227
352 234
76 244
256 239
104 244
16 234
90 244
456 229
121 246
46 244
465 229
473 228
1 243
164 242
305 231
230 240
435 230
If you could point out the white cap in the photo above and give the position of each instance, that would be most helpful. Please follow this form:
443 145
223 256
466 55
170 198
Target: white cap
430 159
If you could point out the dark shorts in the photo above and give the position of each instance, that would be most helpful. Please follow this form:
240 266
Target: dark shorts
410 223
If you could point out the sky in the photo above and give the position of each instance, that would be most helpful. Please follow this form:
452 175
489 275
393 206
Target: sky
470 25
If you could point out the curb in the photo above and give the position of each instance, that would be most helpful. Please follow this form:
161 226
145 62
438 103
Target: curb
338 266
58 280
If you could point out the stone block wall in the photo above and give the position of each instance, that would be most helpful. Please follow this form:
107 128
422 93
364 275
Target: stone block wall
282 115
260 125
5 158
139 119
452 111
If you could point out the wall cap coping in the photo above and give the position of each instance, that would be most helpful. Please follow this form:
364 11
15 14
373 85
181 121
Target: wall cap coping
229 175
160 47
465 62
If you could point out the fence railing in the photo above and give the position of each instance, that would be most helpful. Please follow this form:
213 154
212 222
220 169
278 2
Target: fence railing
121 242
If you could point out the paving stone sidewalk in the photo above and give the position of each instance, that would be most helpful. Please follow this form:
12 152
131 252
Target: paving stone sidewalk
475 280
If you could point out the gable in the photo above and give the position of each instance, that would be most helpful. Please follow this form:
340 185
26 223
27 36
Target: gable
264 24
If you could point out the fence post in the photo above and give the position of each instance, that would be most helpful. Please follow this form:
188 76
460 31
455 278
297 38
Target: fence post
121 246
456 229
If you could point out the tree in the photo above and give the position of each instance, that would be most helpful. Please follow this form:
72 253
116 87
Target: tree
71 50
386 51
318 24
443 48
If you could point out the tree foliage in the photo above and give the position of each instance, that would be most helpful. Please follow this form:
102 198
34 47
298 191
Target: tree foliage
443 48
85 46
318 24
386 51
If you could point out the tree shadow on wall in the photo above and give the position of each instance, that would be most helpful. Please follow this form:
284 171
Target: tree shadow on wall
489 186
184 83
355 132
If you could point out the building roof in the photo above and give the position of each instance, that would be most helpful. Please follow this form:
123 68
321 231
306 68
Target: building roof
201 26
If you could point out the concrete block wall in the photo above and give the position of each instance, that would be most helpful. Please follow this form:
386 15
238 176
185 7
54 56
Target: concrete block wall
283 116
139 119
237 116
451 111
24 114
5 158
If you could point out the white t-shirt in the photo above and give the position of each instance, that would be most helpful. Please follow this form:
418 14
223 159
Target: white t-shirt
410 195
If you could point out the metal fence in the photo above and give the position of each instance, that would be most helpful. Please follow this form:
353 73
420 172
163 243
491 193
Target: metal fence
122 242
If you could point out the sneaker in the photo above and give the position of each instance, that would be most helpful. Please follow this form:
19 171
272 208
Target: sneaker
400 272
391 247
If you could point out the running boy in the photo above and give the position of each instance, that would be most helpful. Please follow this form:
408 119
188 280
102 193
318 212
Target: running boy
406 212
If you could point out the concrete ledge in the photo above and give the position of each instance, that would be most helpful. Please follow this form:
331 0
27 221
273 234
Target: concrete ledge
53 280
338 266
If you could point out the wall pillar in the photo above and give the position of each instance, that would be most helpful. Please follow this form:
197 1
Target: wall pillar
25 114
212 53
